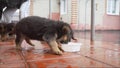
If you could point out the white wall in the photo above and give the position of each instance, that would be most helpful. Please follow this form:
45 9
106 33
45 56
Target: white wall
55 6
85 12
67 17
41 8
99 11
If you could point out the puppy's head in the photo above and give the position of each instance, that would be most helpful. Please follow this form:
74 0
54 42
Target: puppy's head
66 33
10 28
5 30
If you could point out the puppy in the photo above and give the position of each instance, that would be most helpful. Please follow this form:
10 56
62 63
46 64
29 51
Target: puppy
42 29
6 29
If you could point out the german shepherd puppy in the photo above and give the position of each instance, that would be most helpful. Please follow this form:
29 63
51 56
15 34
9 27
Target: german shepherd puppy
6 29
42 29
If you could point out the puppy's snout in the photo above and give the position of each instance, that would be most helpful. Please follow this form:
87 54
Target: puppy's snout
64 42
65 38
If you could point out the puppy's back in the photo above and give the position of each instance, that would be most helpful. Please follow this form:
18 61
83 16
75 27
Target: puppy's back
34 26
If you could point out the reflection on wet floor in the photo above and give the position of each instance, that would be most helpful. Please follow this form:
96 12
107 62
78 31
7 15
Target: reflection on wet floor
102 54
106 36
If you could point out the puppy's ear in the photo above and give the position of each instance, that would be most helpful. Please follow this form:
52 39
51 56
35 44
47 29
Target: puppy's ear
65 29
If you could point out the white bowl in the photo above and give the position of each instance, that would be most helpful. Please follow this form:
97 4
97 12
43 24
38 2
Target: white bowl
71 47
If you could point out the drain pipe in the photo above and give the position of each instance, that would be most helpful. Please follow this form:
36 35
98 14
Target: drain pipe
92 32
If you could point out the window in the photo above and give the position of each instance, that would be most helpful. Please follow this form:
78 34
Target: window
113 7
63 7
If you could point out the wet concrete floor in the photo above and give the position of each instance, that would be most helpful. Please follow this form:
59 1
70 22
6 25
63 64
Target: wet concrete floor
101 54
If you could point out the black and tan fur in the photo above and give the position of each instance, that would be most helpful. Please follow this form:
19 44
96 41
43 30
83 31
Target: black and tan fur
6 29
42 29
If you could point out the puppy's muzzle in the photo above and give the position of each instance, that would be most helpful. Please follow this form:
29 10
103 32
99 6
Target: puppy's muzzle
65 39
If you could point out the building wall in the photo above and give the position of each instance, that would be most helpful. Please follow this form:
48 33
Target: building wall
79 13
41 8
46 8
99 13
84 14
71 17
67 16
102 20
55 9
111 22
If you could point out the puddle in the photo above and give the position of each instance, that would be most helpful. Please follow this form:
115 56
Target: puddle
41 51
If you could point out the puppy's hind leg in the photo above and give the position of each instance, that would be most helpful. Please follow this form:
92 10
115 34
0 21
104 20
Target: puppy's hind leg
18 41
29 42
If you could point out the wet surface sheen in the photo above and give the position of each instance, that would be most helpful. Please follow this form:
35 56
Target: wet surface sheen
100 54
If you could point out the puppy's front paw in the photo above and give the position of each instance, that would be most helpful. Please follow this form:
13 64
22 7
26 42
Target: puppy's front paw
61 48
58 52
